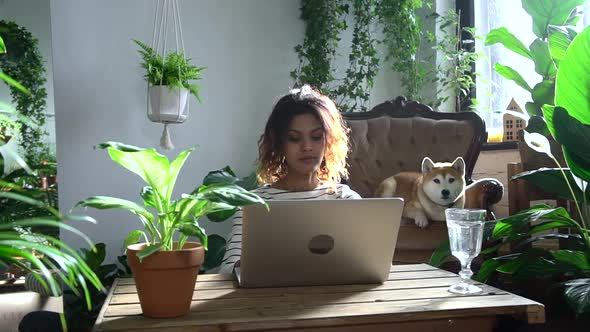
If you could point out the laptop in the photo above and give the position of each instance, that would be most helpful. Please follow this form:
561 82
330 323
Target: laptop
318 242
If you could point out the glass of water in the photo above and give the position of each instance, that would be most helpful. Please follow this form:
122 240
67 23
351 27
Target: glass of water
465 236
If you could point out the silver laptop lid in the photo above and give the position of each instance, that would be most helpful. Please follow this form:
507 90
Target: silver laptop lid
319 242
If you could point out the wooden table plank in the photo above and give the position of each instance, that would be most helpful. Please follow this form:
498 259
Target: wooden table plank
128 287
205 294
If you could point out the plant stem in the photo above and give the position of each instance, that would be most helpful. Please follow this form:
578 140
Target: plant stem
583 227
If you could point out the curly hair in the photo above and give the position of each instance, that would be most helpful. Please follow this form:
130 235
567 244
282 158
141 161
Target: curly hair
271 161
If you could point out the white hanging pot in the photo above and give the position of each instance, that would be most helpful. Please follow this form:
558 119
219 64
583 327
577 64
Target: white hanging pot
168 104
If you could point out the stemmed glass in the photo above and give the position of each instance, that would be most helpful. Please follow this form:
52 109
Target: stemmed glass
465 236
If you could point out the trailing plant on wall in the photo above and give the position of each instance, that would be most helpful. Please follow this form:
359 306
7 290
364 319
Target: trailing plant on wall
24 63
401 36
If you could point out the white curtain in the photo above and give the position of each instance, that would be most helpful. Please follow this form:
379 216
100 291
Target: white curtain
493 91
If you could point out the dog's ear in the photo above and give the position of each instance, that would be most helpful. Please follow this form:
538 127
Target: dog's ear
427 165
459 165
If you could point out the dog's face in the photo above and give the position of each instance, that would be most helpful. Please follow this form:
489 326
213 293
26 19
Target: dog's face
443 183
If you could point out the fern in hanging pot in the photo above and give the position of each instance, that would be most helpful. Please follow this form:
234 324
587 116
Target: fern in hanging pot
169 86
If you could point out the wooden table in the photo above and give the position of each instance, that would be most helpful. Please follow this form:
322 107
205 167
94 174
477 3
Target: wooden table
415 298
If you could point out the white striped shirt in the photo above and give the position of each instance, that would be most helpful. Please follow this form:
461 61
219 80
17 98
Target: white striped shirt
323 191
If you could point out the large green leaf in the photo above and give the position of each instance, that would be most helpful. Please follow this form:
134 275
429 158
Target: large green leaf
548 111
577 295
175 167
517 222
513 75
10 81
551 180
151 166
559 40
215 252
225 175
572 91
2 46
574 137
544 65
133 237
192 228
105 202
228 193
575 258
148 196
544 93
504 37
546 12
488 267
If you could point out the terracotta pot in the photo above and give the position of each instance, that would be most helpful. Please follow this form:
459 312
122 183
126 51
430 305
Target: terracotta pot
165 280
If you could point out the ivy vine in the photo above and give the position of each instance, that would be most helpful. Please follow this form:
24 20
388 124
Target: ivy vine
326 20
24 63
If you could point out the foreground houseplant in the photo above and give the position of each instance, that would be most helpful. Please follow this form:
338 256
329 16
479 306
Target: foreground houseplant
568 267
165 269
169 79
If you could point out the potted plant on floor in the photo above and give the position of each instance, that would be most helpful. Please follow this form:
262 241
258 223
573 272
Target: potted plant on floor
168 78
164 266
568 267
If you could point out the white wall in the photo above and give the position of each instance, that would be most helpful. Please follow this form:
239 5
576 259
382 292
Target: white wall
35 17
247 47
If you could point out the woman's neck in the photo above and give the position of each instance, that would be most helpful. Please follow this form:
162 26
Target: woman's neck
296 182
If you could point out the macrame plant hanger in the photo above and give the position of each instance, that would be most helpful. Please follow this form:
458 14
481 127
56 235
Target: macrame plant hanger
166 12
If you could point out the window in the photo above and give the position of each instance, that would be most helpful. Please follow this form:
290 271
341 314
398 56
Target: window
493 91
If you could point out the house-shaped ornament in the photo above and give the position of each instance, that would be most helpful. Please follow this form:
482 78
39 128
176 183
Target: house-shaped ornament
514 122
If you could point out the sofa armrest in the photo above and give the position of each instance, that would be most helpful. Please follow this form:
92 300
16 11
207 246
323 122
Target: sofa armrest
483 194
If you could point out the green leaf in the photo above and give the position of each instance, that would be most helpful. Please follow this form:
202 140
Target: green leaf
10 81
574 258
192 228
577 295
225 175
228 193
151 166
513 75
149 250
572 90
546 12
488 267
148 196
548 111
504 37
2 46
559 40
441 254
544 65
175 167
551 180
133 237
570 133
532 109
216 250
537 124
222 215
515 223
105 202
544 93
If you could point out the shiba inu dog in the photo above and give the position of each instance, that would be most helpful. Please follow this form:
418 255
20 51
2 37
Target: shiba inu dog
428 194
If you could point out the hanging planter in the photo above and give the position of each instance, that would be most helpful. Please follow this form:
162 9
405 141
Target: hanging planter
168 71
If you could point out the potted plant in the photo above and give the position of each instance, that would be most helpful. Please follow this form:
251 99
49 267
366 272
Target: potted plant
168 78
164 266
568 267
553 22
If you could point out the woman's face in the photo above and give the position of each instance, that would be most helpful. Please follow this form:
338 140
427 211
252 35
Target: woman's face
304 144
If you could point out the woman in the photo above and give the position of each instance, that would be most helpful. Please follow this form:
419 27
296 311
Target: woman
302 155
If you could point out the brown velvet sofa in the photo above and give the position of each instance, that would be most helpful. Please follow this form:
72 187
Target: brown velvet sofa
395 136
